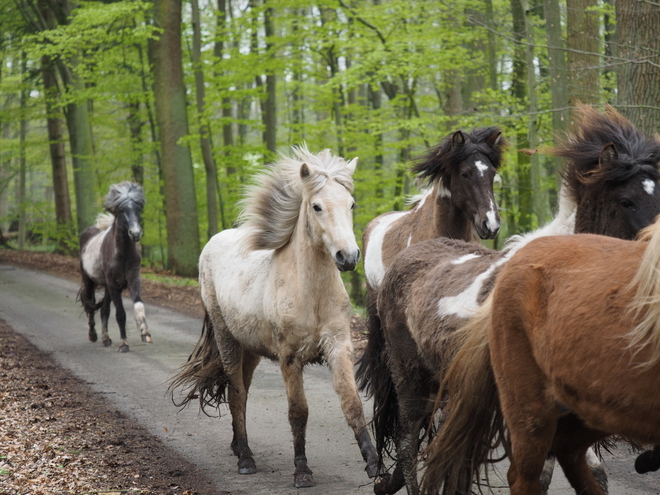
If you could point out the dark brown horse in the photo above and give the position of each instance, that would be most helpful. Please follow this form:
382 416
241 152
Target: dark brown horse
565 353
110 258
432 288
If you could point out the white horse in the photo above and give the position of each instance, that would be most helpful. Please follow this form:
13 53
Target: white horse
272 288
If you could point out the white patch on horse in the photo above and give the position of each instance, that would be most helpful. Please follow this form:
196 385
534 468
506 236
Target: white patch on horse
465 304
419 199
592 459
140 316
443 192
492 222
481 167
649 186
409 240
91 257
464 258
374 268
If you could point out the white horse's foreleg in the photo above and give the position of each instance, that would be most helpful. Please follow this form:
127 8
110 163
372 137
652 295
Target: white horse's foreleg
340 360
291 368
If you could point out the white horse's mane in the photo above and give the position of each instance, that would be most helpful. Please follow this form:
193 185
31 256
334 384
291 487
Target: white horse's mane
104 221
271 205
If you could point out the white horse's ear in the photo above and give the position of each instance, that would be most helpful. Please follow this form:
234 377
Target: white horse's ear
304 171
352 164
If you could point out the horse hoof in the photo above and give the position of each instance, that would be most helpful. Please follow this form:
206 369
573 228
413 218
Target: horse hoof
247 466
147 338
107 343
123 348
381 484
303 480
93 337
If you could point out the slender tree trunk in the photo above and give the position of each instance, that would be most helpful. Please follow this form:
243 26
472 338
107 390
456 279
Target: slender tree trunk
270 105
492 53
135 125
180 201
638 36
204 131
583 42
21 196
63 215
518 86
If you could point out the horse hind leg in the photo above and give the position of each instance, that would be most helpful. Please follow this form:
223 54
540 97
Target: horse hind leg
120 315
87 296
234 360
291 369
250 362
105 317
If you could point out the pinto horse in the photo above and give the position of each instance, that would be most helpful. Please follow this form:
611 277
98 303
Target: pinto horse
460 172
433 288
271 288
110 258
565 354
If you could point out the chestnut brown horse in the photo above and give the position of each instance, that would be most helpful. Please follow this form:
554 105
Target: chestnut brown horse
610 187
565 352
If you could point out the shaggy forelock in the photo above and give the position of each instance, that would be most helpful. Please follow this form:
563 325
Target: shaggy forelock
637 155
439 160
272 204
120 194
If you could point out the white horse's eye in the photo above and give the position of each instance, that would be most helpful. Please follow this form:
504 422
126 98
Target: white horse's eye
317 208
353 205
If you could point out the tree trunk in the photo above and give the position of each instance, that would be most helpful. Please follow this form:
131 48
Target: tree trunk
204 131
63 218
638 36
21 196
583 42
270 105
135 125
518 87
169 92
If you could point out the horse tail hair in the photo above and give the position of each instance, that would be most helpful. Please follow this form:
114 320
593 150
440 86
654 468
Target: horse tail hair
473 422
202 376
646 301
88 301
373 377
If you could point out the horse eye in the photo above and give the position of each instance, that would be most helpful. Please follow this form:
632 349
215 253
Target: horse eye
626 203
465 175
353 205
316 207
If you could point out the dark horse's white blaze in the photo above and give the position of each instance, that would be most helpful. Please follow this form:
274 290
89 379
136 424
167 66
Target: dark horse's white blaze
110 258
272 288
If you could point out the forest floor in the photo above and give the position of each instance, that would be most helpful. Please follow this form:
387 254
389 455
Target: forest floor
58 436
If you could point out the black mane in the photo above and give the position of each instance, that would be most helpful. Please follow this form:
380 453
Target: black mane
635 154
438 160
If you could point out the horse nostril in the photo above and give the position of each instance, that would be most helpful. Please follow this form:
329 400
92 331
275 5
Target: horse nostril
339 257
358 256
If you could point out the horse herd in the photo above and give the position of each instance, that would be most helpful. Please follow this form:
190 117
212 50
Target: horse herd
533 353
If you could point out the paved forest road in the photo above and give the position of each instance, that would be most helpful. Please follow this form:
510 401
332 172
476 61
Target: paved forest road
43 309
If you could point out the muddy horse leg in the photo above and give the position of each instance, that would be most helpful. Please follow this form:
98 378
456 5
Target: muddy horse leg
120 315
138 309
291 368
340 361
105 317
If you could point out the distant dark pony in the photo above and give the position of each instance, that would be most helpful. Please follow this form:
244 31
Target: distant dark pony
110 258
565 353
610 187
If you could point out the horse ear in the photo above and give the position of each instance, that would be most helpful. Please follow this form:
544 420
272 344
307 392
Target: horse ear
495 140
351 165
457 139
607 155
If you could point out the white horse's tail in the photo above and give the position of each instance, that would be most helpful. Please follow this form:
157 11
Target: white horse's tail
104 221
